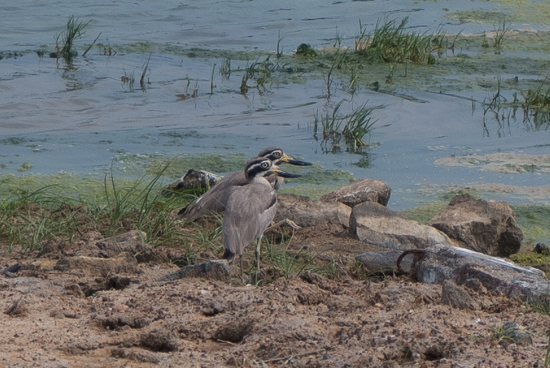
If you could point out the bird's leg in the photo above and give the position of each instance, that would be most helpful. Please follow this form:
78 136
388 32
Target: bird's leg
241 264
257 253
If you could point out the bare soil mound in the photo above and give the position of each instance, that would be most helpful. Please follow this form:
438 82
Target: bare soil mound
84 317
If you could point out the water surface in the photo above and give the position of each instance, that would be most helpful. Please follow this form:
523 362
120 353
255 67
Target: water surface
78 118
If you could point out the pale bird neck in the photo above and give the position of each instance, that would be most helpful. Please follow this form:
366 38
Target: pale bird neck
260 179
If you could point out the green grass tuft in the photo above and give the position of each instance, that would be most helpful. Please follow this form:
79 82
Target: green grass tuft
390 43
64 42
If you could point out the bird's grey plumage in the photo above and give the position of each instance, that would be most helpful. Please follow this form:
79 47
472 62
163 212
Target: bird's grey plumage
250 209
215 199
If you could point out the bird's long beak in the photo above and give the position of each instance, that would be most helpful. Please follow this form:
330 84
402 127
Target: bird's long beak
283 174
289 160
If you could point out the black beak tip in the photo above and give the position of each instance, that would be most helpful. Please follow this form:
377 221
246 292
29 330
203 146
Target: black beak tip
285 174
299 163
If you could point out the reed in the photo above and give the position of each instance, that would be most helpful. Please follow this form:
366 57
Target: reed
358 124
500 32
389 42
279 48
257 75
225 68
351 127
64 43
143 74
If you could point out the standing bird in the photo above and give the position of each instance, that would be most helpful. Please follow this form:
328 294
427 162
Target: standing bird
250 208
215 199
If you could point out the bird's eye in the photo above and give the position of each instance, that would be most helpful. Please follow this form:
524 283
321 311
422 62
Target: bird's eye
265 165
277 154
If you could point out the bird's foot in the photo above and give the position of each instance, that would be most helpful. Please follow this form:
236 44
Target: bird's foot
288 222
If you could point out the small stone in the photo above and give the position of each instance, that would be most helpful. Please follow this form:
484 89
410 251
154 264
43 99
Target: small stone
542 248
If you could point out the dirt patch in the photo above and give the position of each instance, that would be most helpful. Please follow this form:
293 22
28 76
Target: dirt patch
69 317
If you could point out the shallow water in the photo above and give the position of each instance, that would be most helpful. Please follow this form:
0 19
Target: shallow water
78 119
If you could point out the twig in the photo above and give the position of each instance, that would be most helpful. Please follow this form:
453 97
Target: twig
294 356
419 252
226 342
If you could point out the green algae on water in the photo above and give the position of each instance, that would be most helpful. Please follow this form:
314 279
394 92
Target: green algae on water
425 212
534 220
25 166
216 163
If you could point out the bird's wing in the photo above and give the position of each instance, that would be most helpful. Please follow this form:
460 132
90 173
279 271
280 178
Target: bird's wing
215 199
249 211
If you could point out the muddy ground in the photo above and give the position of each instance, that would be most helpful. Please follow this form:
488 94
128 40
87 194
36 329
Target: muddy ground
86 316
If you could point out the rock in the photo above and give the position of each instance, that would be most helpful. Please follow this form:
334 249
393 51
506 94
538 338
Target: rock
305 211
360 191
74 289
124 263
12 270
118 282
143 356
54 244
542 248
18 309
516 333
375 224
193 180
214 270
131 242
457 297
90 236
483 226
385 262
159 340
475 285
462 265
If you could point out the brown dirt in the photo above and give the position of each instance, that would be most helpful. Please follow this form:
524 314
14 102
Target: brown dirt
124 317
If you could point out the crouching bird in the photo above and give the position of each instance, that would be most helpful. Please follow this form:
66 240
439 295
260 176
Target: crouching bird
215 199
250 209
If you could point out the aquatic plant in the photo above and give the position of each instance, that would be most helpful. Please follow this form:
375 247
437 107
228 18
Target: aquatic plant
352 127
258 73
500 31
353 82
106 50
390 43
358 124
128 79
329 78
91 45
279 52
536 107
64 42
535 103
225 68
537 98
305 50
143 73
212 86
